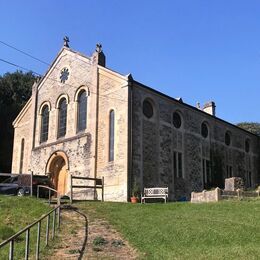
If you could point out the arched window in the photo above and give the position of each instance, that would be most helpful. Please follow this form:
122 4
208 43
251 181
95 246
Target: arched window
111 135
21 156
44 124
62 123
82 111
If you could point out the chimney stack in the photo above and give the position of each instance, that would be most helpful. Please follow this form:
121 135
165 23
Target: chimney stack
210 108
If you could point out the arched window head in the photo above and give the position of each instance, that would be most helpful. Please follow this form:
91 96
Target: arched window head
176 120
82 111
111 135
204 130
44 124
62 118
21 156
147 108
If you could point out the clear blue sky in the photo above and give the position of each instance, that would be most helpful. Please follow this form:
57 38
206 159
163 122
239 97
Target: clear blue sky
194 49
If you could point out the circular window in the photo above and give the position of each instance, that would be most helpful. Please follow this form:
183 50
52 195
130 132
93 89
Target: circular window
247 145
176 119
204 130
227 138
64 75
147 109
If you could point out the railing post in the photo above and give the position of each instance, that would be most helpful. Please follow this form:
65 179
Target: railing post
38 240
38 191
49 197
11 250
47 230
31 183
27 244
59 218
102 188
53 223
71 189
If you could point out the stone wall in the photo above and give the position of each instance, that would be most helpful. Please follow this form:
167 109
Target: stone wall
113 95
23 131
206 196
155 139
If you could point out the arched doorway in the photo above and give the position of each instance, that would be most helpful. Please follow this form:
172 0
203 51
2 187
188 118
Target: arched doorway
57 168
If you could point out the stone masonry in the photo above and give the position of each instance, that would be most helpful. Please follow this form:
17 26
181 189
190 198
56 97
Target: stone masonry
149 151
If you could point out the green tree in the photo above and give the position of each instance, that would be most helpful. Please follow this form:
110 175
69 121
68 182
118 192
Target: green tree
252 127
15 90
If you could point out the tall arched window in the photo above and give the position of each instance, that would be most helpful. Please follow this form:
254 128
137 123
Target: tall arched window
111 135
82 111
44 124
62 123
21 156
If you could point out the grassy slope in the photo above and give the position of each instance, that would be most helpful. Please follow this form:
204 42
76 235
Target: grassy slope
226 230
15 214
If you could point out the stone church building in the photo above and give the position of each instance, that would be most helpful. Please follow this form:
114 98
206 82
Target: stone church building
84 119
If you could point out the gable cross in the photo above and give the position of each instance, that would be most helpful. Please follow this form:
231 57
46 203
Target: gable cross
66 41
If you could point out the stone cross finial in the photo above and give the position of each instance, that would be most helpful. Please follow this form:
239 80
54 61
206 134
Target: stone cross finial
98 47
66 41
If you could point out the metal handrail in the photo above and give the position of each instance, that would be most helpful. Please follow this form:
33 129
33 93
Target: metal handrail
11 240
50 189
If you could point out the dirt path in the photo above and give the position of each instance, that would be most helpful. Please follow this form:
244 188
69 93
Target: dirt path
81 238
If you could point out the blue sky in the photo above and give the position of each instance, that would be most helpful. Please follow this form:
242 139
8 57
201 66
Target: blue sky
199 50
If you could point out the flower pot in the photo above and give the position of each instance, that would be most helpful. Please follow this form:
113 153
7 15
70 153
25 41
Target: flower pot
134 199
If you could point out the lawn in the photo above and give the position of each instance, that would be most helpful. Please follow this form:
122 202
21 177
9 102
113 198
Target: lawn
224 230
15 214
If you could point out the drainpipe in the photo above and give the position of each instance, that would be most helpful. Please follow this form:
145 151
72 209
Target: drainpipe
130 135
96 132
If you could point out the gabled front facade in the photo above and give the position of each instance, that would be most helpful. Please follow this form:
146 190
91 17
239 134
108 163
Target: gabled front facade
67 125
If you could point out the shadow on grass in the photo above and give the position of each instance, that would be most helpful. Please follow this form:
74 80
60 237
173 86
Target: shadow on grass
75 209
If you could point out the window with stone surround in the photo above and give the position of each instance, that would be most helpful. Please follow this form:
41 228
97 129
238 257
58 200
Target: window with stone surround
147 108
62 118
176 119
21 156
229 171
206 173
82 111
44 124
177 164
111 135
204 130
247 145
227 138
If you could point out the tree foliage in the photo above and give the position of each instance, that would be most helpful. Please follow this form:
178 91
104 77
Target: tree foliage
15 90
251 127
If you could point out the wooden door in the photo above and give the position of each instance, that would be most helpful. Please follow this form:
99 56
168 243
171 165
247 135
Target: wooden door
62 180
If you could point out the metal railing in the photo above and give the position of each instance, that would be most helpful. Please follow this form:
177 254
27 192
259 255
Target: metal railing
11 241
50 190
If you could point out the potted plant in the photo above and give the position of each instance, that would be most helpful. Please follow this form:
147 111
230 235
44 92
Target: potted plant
135 192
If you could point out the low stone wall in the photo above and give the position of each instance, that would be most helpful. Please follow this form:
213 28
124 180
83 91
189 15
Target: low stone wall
218 194
206 196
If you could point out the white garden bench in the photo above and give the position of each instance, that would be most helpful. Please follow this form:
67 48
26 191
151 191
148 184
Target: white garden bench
154 193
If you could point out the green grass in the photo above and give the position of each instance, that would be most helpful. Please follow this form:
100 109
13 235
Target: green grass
225 230
15 214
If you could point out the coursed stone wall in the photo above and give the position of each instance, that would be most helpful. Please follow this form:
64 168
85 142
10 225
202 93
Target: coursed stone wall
155 140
